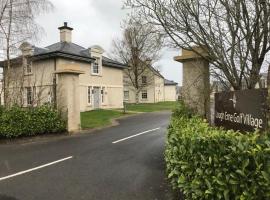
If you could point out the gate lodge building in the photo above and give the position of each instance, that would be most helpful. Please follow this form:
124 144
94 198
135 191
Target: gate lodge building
33 80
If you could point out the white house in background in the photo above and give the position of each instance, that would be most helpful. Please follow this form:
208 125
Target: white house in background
152 92
157 88
170 90
263 81
101 84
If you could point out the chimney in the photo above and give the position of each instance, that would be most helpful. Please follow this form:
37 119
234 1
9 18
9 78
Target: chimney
27 49
65 33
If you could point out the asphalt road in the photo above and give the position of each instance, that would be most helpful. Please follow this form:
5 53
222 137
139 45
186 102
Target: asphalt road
95 166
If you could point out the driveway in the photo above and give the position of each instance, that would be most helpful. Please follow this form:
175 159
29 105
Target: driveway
119 163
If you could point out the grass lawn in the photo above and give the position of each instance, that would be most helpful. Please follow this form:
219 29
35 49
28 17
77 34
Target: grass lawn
98 118
152 107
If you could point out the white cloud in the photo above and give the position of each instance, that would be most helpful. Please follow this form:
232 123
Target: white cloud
96 22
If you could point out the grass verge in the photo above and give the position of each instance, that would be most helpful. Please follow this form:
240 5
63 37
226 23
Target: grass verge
152 107
99 118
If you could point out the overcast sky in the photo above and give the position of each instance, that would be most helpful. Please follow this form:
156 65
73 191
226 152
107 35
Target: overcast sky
96 22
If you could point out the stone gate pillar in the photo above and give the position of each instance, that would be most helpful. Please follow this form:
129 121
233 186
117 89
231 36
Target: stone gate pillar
68 97
196 81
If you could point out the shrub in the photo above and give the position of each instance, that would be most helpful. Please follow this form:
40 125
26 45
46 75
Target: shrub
16 121
182 111
211 163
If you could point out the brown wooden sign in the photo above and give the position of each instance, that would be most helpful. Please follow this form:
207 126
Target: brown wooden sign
243 110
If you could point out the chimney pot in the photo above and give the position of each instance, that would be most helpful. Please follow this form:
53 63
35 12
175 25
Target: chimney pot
65 33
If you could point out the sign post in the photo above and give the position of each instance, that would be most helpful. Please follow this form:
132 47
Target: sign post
243 110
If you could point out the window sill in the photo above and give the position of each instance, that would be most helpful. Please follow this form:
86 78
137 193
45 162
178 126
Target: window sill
93 74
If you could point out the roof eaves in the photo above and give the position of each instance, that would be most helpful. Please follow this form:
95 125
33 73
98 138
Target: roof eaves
168 82
64 55
171 83
113 64
156 71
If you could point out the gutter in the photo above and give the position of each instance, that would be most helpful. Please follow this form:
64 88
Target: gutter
63 55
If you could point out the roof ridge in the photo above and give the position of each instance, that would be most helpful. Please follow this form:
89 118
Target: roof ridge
79 46
76 50
155 70
66 43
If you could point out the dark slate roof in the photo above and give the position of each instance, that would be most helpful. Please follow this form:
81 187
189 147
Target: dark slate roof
111 63
168 82
156 71
14 61
72 51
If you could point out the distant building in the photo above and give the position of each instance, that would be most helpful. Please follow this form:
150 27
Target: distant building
170 90
152 92
263 81
157 88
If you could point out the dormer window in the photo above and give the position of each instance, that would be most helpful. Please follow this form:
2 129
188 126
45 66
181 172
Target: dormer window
96 66
96 53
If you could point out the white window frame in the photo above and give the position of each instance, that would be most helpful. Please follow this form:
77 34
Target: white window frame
89 95
29 99
126 98
143 94
97 63
28 68
102 95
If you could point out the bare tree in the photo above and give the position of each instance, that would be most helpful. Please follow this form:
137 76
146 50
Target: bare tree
139 48
17 24
235 33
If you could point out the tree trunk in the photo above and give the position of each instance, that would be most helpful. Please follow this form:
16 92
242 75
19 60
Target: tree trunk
268 100
137 96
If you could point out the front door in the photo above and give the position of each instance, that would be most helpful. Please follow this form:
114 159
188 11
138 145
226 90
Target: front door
96 94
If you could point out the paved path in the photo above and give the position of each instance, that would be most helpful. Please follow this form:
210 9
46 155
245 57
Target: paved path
119 163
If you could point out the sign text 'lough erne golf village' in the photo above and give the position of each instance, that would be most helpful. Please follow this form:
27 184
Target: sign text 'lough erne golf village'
241 110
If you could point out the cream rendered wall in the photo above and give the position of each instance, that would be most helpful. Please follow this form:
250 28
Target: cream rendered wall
170 93
155 91
110 78
150 95
41 78
131 91
159 89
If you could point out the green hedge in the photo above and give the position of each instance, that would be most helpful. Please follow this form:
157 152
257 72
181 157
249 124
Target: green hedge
16 121
210 163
